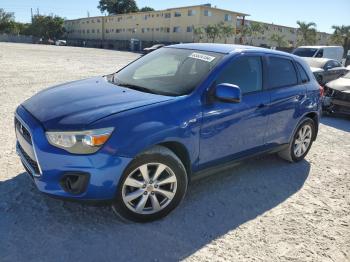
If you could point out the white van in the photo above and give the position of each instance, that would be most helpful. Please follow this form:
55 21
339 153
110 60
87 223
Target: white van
331 52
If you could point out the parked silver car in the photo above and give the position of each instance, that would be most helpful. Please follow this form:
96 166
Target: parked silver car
325 69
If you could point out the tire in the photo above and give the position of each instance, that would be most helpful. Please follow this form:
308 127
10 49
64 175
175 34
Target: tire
291 153
137 193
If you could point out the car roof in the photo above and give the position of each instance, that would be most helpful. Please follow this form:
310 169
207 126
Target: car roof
227 48
319 46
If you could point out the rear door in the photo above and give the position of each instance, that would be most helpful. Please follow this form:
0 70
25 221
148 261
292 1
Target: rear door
287 93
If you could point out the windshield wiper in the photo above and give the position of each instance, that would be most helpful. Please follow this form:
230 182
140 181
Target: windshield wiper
135 87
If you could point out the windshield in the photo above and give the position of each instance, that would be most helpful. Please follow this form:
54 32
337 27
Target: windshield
305 52
168 71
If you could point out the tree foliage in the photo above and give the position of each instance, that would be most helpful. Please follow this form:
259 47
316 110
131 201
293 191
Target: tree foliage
118 6
199 34
48 27
306 33
7 21
214 32
278 40
252 30
146 9
341 36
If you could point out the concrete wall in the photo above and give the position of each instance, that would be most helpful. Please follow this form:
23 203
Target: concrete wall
16 38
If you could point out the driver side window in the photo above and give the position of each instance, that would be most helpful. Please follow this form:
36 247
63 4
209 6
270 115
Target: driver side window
245 72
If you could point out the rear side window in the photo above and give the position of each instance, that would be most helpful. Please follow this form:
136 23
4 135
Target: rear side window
281 72
303 75
245 72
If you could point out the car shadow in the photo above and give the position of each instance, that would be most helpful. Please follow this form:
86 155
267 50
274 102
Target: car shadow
340 122
34 227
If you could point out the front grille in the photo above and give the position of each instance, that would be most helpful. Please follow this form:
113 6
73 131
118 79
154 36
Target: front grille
33 164
23 130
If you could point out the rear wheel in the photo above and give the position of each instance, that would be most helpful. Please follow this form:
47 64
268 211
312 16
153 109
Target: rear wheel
301 142
152 186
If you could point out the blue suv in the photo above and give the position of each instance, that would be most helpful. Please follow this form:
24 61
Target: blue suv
137 137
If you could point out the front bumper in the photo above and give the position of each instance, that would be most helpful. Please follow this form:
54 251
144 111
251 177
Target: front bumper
336 102
103 168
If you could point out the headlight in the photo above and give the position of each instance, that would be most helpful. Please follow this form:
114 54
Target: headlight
80 142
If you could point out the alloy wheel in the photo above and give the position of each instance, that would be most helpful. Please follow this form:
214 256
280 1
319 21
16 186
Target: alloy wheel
149 188
303 140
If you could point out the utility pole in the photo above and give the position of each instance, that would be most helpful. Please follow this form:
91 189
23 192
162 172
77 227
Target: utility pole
31 14
37 11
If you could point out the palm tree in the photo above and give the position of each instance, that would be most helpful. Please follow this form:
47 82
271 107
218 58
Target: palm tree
227 31
306 33
341 35
279 40
198 33
253 30
213 32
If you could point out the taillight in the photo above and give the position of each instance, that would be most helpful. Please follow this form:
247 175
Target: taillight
321 91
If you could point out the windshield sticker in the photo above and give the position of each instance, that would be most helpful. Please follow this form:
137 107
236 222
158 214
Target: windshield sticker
206 58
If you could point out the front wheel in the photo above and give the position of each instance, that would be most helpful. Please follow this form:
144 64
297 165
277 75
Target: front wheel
301 142
151 187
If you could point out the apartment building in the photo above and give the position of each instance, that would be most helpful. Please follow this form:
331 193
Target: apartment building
170 25
290 34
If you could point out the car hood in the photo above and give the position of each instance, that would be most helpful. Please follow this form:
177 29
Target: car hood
75 105
340 84
316 70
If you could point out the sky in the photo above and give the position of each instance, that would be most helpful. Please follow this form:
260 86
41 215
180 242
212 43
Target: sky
324 13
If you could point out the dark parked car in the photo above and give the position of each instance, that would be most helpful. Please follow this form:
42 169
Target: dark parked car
139 136
325 69
152 48
337 95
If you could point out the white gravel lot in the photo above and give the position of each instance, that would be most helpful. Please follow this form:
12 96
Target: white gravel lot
263 210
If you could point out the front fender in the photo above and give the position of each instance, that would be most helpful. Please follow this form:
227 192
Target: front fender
136 130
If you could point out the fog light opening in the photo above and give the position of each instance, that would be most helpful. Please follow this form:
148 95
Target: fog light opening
74 183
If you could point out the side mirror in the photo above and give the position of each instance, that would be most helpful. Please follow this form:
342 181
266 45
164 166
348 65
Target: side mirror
228 93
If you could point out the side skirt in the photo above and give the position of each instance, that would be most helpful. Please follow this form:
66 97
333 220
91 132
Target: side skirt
234 162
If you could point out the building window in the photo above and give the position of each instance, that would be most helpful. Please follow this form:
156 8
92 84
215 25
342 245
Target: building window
191 12
168 30
93 31
142 30
228 18
98 21
177 29
177 14
207 13
98 31
119 19
88 31
189 29
167 15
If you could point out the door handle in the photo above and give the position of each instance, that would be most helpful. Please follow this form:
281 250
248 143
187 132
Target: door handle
262 105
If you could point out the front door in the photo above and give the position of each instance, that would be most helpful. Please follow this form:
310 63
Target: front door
231 129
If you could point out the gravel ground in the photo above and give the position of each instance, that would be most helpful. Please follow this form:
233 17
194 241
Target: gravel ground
263 210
